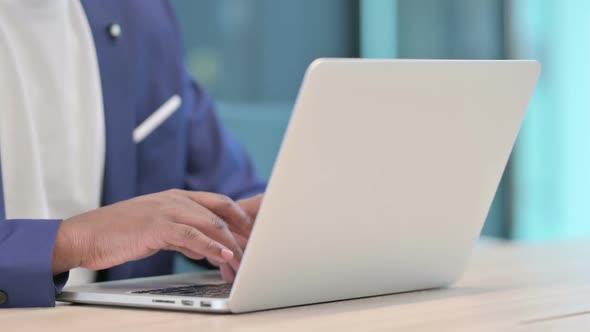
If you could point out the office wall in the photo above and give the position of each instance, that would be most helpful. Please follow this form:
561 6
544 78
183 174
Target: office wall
252 54
552 164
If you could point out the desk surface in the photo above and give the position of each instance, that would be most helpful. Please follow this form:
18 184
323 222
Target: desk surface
506 287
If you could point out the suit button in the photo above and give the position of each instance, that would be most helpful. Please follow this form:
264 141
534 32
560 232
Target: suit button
114 30
3 297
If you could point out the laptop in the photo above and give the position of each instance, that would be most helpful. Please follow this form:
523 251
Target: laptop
383 181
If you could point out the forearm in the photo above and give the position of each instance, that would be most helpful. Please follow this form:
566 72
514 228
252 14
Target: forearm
197 224
66 252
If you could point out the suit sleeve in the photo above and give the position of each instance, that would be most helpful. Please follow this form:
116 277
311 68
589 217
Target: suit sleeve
26 253
216 161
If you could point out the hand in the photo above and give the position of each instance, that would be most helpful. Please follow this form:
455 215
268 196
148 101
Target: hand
197 224
250 206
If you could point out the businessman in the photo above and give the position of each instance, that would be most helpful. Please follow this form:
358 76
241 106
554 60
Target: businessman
111 156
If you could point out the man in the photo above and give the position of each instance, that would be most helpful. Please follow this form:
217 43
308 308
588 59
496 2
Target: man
97 109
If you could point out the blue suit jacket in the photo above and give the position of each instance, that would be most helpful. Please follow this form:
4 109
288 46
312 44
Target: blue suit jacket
139 72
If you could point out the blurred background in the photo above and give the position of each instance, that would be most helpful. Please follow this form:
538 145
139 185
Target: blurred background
252 54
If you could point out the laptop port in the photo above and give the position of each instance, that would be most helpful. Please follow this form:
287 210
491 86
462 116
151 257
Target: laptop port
205 304
187 302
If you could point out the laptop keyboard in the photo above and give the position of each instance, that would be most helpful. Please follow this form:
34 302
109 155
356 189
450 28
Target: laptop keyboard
214 291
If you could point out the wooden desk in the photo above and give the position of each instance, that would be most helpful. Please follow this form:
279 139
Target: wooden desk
507 287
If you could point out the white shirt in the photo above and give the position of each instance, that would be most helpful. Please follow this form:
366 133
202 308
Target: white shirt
52 137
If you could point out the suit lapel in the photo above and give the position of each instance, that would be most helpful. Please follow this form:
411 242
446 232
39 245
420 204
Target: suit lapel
115 73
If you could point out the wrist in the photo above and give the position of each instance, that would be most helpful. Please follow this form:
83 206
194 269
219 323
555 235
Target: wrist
66 253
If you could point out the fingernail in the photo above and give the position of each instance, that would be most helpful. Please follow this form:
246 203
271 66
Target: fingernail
227 254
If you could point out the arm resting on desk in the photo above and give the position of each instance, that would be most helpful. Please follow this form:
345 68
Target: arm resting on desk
26 253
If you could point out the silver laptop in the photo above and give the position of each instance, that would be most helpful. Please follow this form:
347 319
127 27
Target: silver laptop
382 185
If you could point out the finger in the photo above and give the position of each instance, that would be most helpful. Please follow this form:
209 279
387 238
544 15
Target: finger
234 264
251 205
194 241
187 253
207 222
214 263
227 273
233 268
242 241
225 208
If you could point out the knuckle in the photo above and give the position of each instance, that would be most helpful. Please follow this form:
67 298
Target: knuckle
210 245
189 234
245 218
173 192
217 223
225 202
